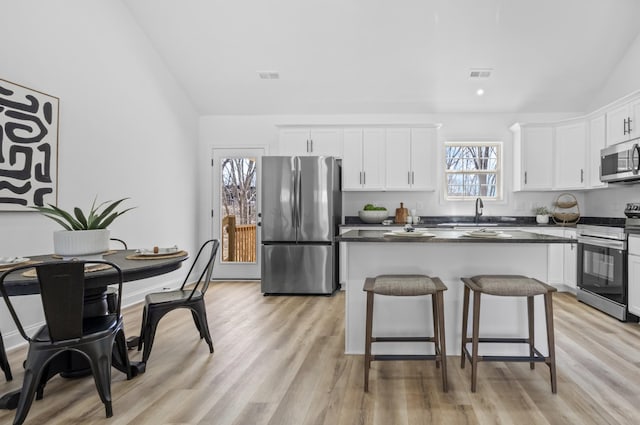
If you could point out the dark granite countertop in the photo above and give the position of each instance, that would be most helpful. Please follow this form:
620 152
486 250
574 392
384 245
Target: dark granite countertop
447 235
499 221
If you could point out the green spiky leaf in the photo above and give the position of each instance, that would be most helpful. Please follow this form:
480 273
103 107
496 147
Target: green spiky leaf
95 219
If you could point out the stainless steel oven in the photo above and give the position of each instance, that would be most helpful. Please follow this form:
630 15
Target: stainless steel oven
602 269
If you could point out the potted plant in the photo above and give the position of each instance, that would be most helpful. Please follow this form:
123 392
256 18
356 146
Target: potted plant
542 215
83 234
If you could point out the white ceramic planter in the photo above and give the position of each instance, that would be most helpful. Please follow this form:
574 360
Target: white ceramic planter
542 219
80 242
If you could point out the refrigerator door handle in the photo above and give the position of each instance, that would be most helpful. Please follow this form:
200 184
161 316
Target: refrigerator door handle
295 207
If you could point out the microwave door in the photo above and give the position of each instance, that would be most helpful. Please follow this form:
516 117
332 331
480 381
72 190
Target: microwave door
618 162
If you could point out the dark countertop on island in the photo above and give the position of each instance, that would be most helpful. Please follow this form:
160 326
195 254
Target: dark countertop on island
494 221
448 236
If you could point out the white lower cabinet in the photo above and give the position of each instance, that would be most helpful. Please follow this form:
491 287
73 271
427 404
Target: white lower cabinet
571 261
562 259
634 275
555 258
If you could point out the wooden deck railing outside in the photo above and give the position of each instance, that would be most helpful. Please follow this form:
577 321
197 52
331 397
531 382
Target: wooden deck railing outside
238 241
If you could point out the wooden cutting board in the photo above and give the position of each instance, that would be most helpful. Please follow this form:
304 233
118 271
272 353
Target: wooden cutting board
401 214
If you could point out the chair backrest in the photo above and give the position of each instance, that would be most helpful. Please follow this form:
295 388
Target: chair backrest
62 294
62 287
204 259
120 241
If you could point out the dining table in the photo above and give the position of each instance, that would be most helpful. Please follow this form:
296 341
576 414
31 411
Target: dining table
135 266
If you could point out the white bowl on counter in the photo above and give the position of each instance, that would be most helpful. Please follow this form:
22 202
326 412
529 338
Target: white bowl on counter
373 216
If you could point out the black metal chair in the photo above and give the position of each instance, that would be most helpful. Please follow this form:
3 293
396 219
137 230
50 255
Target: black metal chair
67 331
4 361
112 292
160 303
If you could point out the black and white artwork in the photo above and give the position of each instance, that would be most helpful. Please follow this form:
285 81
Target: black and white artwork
28 147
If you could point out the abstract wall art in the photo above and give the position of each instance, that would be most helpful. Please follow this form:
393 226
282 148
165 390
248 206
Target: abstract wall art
28 147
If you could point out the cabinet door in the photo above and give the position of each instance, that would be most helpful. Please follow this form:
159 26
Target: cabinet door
597 141
555 258
571 261
398 159
569 152
633 127
634 275
325 142
373 160
537 169
352 168
616 126
294 141
423 144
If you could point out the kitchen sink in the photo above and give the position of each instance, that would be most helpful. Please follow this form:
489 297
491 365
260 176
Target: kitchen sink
467 224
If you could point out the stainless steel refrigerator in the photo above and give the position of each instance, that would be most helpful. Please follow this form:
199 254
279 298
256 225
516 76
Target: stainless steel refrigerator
301 210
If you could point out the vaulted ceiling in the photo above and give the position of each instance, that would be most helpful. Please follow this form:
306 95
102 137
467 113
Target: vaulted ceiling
389 56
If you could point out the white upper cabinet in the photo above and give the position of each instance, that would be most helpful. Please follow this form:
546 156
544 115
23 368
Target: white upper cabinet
363 161
622 122
570 149
533 157
597 141
319 141
410 158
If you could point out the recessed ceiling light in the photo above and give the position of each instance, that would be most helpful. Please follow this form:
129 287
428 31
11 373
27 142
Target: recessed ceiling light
269 75
480 92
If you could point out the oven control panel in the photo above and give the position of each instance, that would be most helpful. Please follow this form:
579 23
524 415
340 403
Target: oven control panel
632 210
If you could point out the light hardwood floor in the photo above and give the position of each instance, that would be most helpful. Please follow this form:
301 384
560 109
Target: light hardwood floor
280 361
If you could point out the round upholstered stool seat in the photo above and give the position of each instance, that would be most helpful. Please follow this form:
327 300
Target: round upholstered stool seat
507 286
406 285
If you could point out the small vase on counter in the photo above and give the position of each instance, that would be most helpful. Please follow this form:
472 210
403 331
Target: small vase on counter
542 219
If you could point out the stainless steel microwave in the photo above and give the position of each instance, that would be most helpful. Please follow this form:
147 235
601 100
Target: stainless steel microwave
620 162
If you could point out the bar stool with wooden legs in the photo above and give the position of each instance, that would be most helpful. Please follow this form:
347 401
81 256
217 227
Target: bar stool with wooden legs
508 286
407 286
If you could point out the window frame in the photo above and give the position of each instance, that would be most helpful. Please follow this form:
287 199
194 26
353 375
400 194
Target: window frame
499 170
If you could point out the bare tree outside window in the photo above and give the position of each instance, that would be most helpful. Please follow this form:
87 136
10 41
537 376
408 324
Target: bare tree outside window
239 189
473 170
238 196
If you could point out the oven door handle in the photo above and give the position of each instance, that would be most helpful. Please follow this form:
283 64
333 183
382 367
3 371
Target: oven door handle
606 243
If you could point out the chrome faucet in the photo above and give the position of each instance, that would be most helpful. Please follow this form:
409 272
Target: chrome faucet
479 207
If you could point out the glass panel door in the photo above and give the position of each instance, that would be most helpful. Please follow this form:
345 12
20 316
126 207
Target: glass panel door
235 206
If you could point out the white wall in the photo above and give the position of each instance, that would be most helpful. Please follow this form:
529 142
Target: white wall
126 127
623 80
610 202
224 131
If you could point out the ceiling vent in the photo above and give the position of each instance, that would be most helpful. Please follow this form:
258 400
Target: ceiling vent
480 73
269 75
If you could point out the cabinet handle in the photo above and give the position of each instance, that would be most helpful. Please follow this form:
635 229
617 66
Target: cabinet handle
364 177
307 145
360 177
408 177
581 175
413 177
624 126
525 177
311 151
628 125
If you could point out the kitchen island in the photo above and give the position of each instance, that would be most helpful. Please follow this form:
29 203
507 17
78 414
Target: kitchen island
448 254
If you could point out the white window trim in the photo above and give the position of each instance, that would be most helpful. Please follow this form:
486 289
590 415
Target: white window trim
499 170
